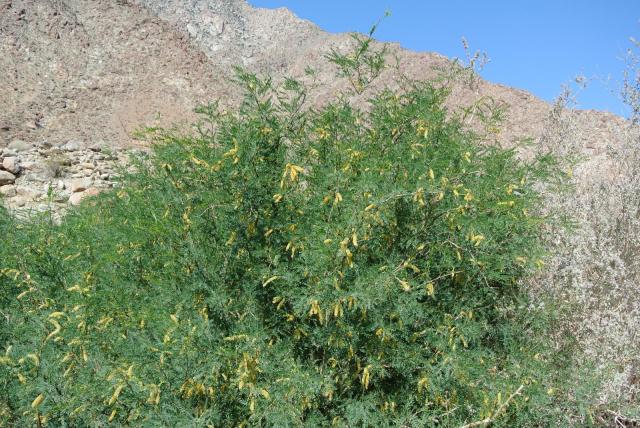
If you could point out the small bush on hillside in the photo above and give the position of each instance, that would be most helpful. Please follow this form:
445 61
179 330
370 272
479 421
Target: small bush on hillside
287 267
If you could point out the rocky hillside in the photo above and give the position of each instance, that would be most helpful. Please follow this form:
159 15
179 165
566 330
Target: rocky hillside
86 74
79 76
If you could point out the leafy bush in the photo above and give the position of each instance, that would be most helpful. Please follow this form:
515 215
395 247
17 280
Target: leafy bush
287 267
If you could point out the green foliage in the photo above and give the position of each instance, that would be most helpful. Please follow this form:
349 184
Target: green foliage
364 64
287 267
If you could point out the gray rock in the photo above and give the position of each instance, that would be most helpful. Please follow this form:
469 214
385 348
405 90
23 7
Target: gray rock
79 185
30 165
6 178
192 30
18 146
8 191
19 201
12 164
71 146
76 198
27 192
60 197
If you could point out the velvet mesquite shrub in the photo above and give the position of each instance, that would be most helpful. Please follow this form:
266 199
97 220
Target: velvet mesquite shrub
287 267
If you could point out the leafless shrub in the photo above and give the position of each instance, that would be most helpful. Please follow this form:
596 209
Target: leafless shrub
594 269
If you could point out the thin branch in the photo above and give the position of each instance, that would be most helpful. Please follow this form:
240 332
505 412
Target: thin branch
503 406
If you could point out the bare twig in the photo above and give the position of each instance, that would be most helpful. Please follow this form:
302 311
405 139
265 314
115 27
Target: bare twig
622 421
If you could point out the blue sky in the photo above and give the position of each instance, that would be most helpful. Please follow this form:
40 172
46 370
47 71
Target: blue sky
534 45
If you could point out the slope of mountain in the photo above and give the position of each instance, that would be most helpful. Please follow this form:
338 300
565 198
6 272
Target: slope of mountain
92 71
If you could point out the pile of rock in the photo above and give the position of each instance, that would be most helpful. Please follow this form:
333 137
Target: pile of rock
39 177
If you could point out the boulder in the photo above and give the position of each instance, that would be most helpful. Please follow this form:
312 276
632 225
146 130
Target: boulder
76 198
12 164
71 146
8 190
6 178
19 146
19 201
79 185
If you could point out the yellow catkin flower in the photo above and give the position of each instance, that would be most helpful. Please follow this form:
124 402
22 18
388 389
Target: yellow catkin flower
292 171
430 288
476 239
231 240
337 199
432 176
337 310
270 280
105 321
55 331
115 395
24 293
349 256
366 377
314 308
196 161
67 372
418 196
34 358
37 401
405 285
154 395
112 415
